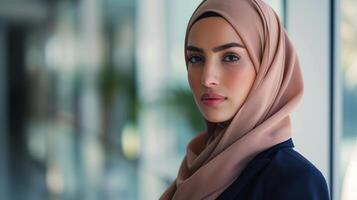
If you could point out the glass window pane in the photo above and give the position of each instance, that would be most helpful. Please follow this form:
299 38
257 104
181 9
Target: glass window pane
347 182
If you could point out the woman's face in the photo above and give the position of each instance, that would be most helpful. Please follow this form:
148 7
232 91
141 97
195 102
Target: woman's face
220 72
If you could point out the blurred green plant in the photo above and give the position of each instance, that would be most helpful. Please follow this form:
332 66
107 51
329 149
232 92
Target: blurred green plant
182 101
111 82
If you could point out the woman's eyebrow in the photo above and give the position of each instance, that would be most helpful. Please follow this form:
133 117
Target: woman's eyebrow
219 48
226 46
193 48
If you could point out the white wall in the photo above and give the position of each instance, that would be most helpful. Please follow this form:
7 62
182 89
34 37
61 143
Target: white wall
308 24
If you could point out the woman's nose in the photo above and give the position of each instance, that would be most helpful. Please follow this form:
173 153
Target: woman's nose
209 75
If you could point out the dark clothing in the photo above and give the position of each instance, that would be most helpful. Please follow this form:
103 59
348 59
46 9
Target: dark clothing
278 173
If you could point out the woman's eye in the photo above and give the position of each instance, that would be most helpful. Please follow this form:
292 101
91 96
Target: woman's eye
194 59
231 58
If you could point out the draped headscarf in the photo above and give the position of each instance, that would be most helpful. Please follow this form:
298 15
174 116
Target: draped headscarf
216 157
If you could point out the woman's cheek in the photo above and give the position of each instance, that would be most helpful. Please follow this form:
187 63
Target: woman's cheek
234 80
237 84
191 79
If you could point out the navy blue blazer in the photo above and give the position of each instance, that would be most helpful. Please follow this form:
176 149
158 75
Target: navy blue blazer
278 173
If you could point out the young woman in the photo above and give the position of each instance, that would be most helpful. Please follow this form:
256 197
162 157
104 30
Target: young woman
245 78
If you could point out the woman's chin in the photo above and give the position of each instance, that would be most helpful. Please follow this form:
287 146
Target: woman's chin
215 118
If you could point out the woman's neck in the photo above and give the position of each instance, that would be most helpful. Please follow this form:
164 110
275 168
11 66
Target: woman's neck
212 126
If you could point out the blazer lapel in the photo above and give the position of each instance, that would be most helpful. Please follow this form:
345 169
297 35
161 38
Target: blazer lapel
246 176
250 172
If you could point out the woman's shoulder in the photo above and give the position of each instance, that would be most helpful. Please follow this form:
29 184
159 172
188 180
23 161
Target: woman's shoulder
289 162
279 172
290 175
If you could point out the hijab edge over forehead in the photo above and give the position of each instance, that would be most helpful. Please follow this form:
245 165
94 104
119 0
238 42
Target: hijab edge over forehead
254 53
222 15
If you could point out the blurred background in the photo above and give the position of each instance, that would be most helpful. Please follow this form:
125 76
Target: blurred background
95 104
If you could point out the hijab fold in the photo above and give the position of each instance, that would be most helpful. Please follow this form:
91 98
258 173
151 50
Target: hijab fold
217 156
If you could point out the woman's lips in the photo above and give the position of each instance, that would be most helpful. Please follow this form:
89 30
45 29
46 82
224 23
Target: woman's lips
212 102
212 99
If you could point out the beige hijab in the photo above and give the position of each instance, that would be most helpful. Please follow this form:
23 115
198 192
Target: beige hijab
214 160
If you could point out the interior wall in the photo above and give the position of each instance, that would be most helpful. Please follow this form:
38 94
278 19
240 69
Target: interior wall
310 33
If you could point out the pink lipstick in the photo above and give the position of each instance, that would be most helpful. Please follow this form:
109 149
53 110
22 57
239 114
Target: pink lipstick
212 99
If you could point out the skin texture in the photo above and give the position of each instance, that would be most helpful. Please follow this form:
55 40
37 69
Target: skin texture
228 72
